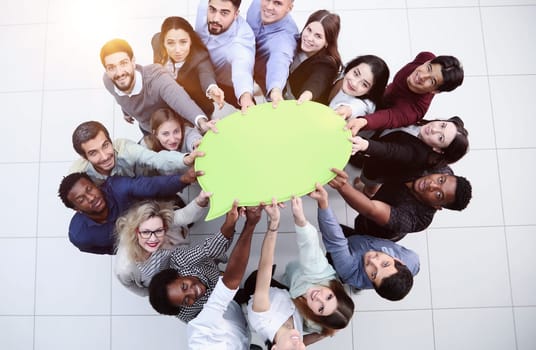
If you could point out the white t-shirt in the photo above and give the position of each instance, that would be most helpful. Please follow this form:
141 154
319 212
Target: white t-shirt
221 324
267 323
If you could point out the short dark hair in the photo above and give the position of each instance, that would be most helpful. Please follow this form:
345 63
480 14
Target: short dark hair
379 70
464 193
67 184
452 72
113 46
236 3
158 294
85 132
396 286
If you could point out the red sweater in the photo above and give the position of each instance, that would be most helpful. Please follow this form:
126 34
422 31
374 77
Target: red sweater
404 107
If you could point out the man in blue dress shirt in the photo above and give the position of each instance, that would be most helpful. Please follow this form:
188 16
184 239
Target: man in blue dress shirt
97 208
231 45
276 37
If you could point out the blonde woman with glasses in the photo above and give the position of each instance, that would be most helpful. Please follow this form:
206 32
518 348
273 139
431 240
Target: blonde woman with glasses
147 234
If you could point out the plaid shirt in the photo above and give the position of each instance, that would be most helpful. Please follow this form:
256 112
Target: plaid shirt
199 262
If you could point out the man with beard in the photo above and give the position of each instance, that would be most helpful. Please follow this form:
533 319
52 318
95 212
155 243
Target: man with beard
231 45
102 158
141 90
97 208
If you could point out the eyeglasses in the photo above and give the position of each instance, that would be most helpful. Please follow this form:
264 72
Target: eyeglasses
146 234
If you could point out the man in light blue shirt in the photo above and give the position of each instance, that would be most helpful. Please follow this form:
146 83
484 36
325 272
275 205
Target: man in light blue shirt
276 36
366 262
231 45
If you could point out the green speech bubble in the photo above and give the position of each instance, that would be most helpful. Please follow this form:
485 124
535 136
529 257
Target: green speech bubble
271 152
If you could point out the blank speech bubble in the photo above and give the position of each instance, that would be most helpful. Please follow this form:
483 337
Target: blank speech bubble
271 152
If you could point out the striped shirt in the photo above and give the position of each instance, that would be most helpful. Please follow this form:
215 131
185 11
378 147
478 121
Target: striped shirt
158 261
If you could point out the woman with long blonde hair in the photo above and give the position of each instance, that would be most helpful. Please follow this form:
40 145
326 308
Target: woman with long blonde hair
147 234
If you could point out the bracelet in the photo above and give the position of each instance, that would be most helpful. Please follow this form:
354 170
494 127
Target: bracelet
273 229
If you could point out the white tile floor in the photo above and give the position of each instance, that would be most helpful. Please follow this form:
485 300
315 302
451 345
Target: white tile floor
477 285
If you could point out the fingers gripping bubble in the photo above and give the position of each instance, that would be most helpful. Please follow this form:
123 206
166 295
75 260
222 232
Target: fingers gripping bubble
271 153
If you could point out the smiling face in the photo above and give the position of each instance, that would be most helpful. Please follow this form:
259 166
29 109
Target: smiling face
177 43
169 134
321 300
425 78
87 198
120 69
313 38
220 16
438 134
435 190
185 291
358 80
99 151
378 266
151 234
274 10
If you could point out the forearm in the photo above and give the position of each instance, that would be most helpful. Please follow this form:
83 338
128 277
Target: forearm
189 214
156 186
397 116
268 248
264 272
374 210
320 79
311 256
178 99
277 68
354 198
399 152
212 247
241 69
331 231
228 229
238 260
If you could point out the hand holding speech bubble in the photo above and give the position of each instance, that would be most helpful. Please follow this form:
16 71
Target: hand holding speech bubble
269 152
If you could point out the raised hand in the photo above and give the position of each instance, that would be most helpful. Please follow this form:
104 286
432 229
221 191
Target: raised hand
189 159
297 211
202 198
320 195
356 124
340 180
